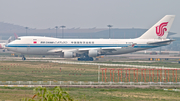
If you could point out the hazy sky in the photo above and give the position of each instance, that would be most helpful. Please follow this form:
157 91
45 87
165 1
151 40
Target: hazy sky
89 13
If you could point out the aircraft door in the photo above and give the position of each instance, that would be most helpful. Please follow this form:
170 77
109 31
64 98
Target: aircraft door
28 48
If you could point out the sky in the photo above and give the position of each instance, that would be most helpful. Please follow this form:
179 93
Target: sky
42 14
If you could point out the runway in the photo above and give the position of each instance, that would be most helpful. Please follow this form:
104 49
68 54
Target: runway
126 57
144 56
116 58
96 63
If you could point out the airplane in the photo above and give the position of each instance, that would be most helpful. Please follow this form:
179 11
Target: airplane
15 36
3 43
87 49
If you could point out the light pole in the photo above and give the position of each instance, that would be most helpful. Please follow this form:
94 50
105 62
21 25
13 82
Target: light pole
63 30
109 29
56 30
26 30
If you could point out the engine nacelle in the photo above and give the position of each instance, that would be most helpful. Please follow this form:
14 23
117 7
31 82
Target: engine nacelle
68 54
93 53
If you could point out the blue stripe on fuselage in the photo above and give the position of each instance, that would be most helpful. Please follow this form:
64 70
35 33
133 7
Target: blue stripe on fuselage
81 45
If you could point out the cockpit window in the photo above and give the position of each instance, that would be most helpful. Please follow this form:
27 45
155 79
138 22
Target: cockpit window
18 39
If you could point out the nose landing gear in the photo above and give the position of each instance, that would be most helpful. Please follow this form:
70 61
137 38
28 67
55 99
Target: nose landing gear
23 57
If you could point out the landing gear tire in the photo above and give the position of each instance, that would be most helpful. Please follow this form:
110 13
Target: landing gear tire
79 59
86 59
90 59
23 58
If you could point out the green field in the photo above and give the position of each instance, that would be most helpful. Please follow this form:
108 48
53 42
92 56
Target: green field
98 94
47 71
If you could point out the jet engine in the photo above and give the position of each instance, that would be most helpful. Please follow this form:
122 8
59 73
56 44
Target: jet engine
68 54
93 53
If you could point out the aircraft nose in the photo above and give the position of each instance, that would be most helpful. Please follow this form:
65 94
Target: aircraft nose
7 47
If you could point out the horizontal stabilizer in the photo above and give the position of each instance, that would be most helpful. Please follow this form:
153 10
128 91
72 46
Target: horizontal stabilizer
161 42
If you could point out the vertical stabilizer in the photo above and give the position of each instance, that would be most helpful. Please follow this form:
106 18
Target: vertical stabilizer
9 40
15 35
160 29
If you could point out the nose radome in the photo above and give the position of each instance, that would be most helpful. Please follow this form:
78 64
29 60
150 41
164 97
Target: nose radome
6 46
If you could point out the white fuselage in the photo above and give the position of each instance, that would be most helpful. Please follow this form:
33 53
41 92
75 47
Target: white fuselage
42 45
86 49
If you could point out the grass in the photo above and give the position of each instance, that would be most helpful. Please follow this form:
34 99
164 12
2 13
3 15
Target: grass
98 94
32 71
46 71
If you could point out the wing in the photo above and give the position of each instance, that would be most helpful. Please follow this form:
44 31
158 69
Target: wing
100 51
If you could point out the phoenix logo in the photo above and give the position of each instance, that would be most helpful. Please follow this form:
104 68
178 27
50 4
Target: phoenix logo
161 28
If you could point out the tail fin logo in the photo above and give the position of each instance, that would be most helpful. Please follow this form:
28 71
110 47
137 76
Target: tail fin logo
161 29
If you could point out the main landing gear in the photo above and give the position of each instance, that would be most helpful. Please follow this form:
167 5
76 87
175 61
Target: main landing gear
85 58
23 57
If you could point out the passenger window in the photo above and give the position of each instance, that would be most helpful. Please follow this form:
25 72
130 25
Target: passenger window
71 42
74 42
83 42
80 42
92 42
77 42
89 42
86 42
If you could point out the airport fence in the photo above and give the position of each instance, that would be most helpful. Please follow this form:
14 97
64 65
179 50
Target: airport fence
83 83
